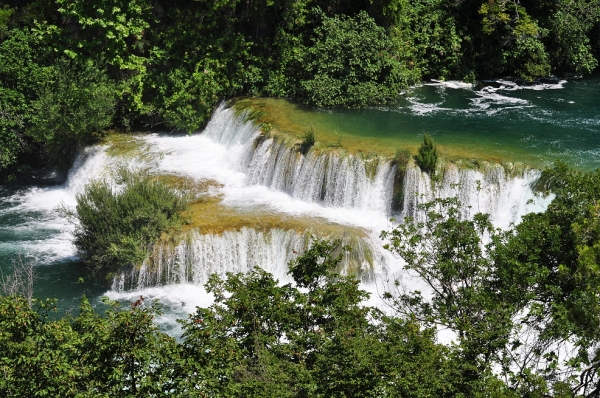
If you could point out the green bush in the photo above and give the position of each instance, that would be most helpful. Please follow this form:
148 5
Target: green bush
117 228
428 155
308 140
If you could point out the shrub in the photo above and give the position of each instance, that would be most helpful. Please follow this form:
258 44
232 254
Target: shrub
117 228
428 155
308 140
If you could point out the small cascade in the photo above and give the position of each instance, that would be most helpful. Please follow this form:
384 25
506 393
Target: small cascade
331 178
201 255
92 163
491 189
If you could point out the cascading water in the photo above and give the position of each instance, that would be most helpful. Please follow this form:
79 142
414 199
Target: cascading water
491 190
339 188
331 178
251 171
200 255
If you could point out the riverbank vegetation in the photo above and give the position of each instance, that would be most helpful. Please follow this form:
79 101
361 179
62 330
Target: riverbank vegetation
70 68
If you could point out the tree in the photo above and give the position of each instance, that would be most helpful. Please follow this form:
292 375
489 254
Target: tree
116 229
315 338
514 298
121 354
327 73
427 155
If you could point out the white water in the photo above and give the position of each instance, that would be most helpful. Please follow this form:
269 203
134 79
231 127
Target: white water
46 235
331 179
492 191
201 255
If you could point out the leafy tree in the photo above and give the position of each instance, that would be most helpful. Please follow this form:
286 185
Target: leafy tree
314 339
560 247
570 47
121 354
327 72
514 298
449 254
73 108
23 75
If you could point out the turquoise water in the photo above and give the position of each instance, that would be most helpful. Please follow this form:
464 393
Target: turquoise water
535 124
34 232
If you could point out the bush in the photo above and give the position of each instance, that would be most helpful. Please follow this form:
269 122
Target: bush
117 229
428 155
308 140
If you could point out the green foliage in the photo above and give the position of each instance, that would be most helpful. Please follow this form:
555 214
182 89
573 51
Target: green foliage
571 50
564 242
452 257
5 15
121 354
149 63
73 108
491 286
429 37
22 77
189 98
328 73
427 155
117 226
12 142
313 339
109 30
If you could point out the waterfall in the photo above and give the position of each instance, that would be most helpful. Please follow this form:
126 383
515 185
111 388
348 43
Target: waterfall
331 178
198 256
490 189
254 169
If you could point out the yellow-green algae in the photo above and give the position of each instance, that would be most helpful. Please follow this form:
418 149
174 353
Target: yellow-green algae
128 145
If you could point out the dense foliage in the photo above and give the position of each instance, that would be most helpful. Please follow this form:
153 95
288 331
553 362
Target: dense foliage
258 339
71 68
118 221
